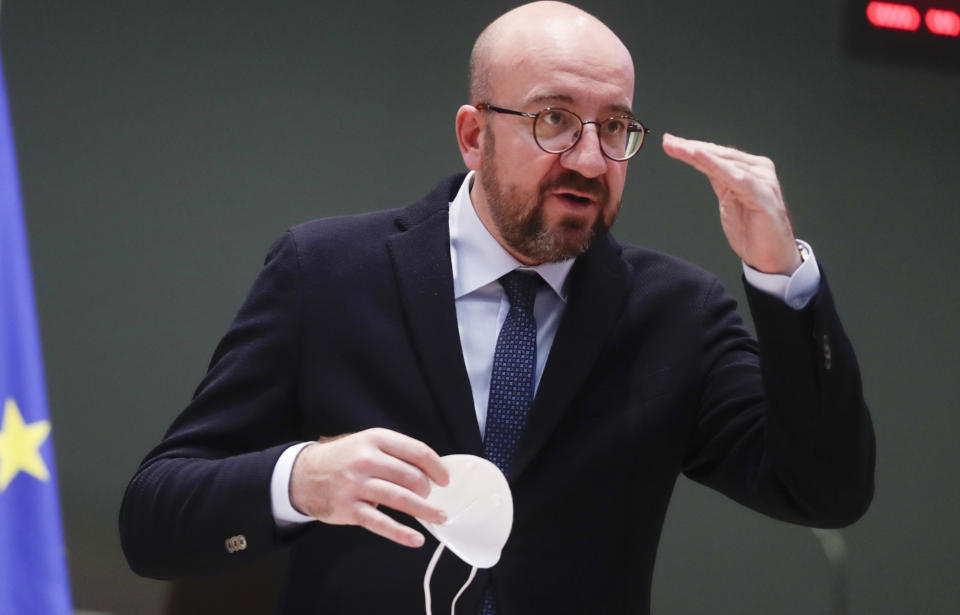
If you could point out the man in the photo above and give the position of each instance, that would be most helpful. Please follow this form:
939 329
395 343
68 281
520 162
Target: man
386 327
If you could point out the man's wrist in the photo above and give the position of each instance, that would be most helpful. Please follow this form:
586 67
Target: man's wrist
284 514
795 290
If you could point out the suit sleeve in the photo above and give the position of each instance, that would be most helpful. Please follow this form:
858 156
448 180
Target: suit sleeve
209 479
789 435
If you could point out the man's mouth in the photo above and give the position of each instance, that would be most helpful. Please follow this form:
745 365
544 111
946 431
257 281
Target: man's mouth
576 191
575 198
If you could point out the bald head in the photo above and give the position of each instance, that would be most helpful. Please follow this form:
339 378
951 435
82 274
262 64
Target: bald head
528 32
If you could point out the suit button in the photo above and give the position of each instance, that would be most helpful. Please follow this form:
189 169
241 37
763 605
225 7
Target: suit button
236 543
827 353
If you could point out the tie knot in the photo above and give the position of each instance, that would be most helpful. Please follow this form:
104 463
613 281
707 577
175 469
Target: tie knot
521 288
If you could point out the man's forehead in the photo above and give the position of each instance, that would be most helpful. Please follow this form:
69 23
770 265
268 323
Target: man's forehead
543 85
555 98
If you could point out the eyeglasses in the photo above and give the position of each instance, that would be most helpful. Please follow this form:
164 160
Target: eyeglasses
558 130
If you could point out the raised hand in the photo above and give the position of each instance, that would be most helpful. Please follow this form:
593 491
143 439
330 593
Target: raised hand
752 211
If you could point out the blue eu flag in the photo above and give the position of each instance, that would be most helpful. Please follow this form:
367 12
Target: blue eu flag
33 568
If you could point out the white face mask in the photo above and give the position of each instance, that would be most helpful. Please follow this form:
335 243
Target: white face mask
479 509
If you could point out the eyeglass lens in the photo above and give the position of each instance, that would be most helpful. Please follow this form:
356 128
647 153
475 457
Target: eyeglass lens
557 130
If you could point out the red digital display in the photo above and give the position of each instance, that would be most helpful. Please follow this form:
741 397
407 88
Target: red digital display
942 22
912 31
894 16
898 16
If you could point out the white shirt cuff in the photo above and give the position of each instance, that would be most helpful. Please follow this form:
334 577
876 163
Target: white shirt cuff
284 514
795 290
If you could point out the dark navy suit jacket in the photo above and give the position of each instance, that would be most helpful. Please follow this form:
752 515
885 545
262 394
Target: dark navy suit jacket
351 325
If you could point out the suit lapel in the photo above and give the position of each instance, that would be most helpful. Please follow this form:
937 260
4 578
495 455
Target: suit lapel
597 291
421 261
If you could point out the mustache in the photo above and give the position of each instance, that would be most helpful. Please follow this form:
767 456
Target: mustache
573 181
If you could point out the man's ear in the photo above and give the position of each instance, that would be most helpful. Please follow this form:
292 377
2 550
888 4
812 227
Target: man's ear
469 135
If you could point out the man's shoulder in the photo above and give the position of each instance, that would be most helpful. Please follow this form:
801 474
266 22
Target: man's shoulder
668 280
646 263
663 286
348 229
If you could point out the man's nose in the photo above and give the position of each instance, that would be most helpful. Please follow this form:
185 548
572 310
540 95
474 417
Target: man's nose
586 157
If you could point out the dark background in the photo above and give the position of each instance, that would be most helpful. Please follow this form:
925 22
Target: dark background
163 145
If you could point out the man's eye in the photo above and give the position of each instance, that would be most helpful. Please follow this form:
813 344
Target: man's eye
554 118
615 127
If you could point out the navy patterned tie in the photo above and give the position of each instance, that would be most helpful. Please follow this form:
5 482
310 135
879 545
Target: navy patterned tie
512 381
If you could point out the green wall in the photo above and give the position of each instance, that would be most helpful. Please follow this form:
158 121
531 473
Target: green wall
163 145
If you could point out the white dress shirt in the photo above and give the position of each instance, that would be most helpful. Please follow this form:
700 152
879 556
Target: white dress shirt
479 261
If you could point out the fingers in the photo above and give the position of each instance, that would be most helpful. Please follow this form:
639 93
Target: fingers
413 452
397 479
673 143
368 517
389 494
699 157
725 159
731 172
343 480
399 472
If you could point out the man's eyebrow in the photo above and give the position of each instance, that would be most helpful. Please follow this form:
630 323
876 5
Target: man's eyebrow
548 97
566 98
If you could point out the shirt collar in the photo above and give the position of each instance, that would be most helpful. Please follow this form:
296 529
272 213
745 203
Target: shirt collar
479 259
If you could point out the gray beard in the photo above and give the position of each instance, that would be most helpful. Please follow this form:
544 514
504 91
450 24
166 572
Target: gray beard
529 236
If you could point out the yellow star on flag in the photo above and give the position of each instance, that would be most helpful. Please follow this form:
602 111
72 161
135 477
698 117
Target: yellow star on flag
20 445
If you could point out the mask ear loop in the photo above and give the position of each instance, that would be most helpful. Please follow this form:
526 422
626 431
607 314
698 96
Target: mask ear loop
426 582
428 574
453 605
